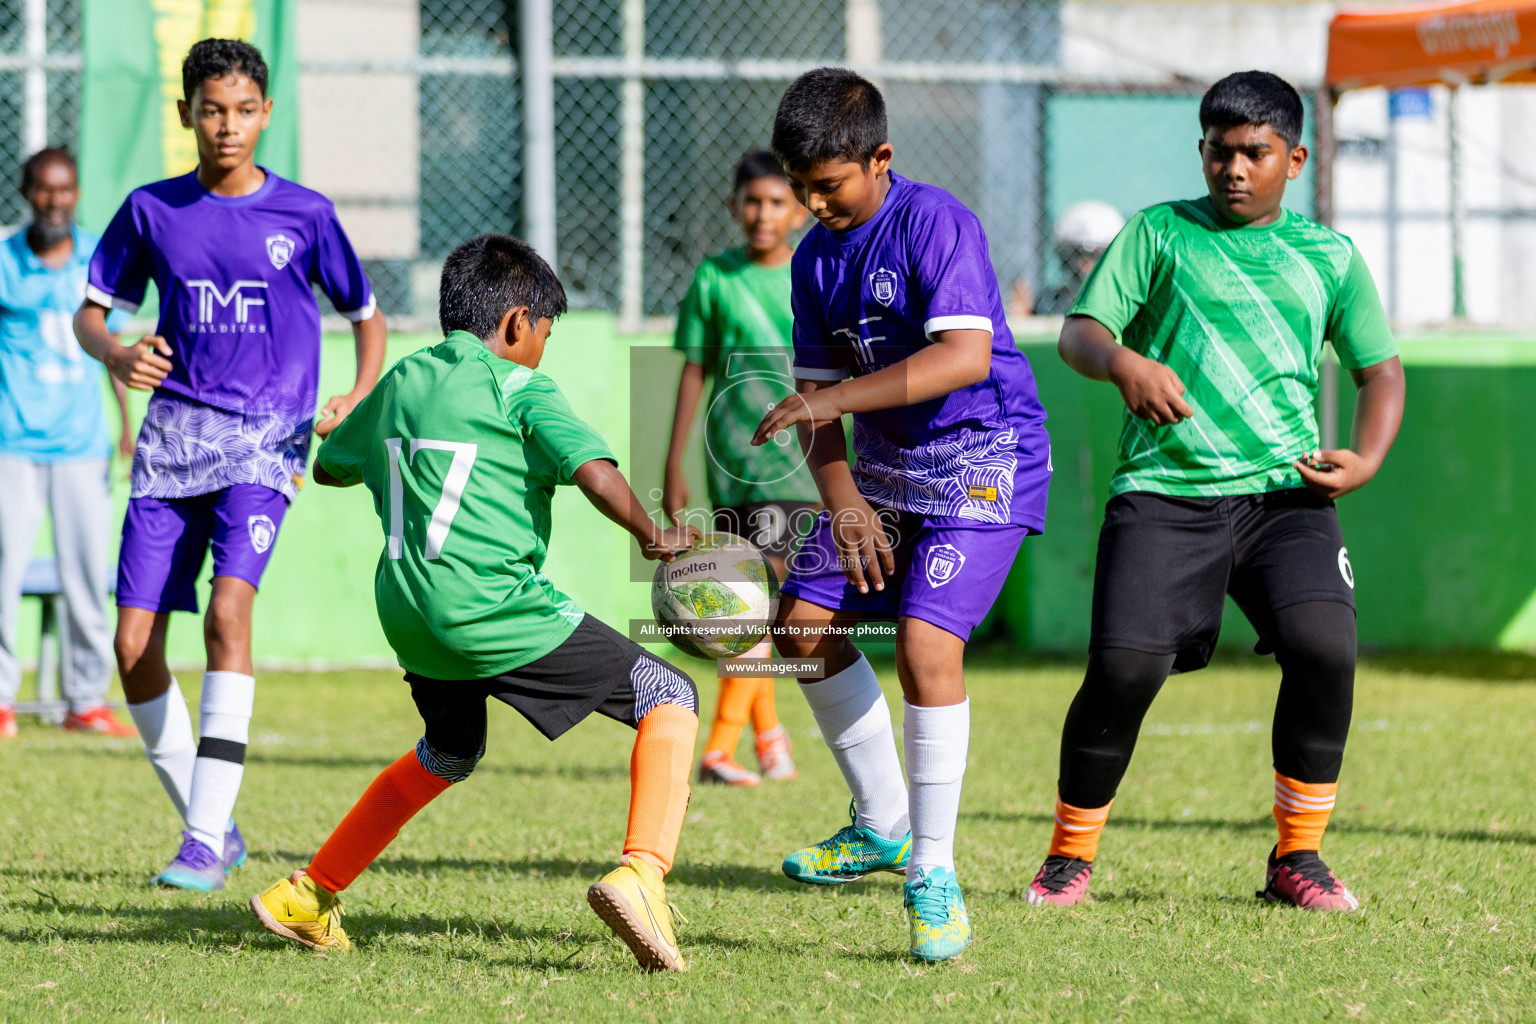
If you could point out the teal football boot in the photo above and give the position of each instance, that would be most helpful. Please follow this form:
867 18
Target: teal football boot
936 915
850 854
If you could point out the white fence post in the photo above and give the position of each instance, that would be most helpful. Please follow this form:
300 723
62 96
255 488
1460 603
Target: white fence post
632 171
537 62
34 117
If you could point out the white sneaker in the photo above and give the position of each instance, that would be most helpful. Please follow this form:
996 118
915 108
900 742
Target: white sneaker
773 750
719 767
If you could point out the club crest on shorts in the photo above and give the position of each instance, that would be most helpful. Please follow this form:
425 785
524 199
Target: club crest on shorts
944 564
262 530
1345 569
882 285
279 249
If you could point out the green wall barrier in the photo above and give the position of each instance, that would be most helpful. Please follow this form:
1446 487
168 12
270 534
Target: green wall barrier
1441 541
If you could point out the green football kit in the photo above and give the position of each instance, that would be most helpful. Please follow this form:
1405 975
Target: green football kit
736 322
1240 314
462 452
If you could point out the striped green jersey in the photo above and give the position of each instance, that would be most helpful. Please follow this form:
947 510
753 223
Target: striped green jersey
1240 313
463 452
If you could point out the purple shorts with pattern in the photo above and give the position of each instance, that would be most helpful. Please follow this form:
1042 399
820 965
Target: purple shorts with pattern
166 539
949 571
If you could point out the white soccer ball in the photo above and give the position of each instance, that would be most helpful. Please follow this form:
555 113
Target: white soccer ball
716 600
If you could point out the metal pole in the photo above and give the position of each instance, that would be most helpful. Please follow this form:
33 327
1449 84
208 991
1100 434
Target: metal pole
1458 213
632 171
536 28
1394 212
1323 103
34 117
861 32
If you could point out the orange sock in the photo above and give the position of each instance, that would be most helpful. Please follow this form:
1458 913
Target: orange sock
1077 830
765 714
736 697
1301 812
390 801
658 780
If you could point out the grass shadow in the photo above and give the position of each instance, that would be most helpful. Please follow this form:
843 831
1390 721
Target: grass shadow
1474 666
701 875
1266 824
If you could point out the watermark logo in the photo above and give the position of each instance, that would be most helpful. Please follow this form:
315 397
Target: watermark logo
279 249
944 563
263 532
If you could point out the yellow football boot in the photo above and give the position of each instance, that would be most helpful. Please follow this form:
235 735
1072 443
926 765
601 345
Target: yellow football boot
298 909
632 900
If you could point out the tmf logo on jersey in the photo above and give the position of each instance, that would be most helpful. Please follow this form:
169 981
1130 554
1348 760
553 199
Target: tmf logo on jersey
882 285
242 295
944 563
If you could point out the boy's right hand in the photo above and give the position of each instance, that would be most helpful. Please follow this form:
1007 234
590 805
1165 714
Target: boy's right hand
667 544
1151 390
142 365
863 547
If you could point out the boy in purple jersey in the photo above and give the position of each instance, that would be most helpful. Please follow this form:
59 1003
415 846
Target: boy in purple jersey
234 364
894 288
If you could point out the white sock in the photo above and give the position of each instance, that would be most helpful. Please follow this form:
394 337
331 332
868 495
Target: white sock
226 727
166 729
935 741
855 720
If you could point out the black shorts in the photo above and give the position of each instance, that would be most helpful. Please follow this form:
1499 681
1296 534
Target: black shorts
776 527
597 669
1166 565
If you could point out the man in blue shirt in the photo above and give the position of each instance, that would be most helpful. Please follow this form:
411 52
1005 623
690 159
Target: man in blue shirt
54 448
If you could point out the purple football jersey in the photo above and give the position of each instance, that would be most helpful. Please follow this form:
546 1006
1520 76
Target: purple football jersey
236 279
869 297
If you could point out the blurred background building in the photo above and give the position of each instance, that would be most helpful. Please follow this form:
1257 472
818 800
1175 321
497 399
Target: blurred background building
414 116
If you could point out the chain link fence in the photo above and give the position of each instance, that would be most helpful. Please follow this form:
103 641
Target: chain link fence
39 89
655 102
1024 109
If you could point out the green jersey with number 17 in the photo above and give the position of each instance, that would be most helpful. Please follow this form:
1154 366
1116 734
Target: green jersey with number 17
463 452
1240 313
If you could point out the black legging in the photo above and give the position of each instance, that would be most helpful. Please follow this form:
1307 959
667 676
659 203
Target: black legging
1314 643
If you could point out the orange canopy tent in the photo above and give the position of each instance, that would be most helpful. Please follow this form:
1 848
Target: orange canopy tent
1476 42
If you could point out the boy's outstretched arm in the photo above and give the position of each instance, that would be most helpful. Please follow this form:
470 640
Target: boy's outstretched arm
1378 415
1150 389
955 360
369 337
606 488
674 489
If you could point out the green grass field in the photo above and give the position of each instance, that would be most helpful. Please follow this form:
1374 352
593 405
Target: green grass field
478 913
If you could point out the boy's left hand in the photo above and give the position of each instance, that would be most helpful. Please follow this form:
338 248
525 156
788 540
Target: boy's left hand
333 413
812 408
667 544
1335 472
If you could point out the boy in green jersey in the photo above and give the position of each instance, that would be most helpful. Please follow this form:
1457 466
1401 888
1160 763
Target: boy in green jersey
1210 316
735 327
462 446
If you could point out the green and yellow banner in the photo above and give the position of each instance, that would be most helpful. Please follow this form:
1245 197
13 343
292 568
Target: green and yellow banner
130 130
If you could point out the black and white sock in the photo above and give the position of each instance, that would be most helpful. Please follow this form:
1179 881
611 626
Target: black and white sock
225 711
